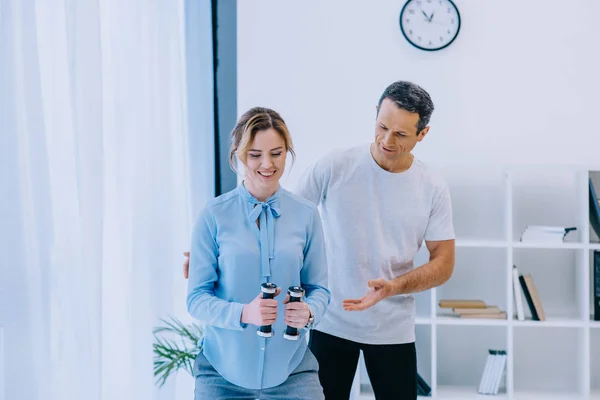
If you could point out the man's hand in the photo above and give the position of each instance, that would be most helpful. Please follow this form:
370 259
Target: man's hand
296 313
186 264
260 311
379 290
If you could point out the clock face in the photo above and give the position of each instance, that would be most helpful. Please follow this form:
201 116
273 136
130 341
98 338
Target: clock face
430 24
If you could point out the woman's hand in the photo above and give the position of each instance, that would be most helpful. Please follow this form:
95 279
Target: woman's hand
261 311
296 313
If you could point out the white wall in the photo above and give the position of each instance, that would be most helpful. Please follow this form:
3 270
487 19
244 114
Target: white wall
519 85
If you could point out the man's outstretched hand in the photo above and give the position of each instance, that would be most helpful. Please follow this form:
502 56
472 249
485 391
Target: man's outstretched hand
186 264
379 290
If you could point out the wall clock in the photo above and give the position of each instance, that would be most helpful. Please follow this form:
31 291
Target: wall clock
430 25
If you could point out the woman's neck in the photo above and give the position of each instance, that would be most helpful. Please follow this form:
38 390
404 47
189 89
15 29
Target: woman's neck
261 194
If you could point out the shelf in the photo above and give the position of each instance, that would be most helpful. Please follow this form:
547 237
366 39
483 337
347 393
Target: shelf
556 322
466 347
548 361
481 243
551 322
532 245
475 265
452 320
559 278
548 197
371 396
594 350
525 395
468 393
464 393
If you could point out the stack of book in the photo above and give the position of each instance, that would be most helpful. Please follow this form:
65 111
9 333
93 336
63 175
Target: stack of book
472 308
545 234
493 372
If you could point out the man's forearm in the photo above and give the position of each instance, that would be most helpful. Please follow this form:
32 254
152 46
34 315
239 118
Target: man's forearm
427 276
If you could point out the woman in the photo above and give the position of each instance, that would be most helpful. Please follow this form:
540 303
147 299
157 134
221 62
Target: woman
257 233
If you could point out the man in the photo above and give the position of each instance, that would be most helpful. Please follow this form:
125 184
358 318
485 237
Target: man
378 204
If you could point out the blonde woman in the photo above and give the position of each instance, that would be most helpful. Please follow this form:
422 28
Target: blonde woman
258 233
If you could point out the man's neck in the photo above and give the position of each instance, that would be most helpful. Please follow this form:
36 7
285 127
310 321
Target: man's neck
400 164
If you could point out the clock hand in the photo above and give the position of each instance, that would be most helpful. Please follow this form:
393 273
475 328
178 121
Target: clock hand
426 17
430 18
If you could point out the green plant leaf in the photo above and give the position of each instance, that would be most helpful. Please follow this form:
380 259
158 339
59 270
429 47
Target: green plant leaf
175 347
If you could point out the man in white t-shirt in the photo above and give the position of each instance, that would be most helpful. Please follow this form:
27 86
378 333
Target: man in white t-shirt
378 205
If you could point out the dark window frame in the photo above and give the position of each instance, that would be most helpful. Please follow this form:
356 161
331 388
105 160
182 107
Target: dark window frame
224 28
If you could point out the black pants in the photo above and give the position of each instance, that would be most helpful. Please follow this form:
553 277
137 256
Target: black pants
392 368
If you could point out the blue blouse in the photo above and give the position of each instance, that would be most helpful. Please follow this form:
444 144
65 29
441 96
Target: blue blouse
230 258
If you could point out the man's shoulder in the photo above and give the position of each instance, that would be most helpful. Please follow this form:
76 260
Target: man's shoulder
429 175
342 157
299 201
351 154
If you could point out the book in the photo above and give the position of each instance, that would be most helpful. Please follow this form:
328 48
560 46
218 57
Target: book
423 388
485 377
493 372
499 315
518 293
545 234
548 229
462 303
533 299
486 310
596 285
499 372
594 209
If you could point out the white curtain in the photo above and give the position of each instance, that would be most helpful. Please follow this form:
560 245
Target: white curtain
95 206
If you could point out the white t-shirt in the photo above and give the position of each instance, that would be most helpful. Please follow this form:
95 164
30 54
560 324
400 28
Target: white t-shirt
375 222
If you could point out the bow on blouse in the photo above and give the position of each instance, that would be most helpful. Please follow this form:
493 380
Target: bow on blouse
267 212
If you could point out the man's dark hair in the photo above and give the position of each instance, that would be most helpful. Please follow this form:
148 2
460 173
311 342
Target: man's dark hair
412 98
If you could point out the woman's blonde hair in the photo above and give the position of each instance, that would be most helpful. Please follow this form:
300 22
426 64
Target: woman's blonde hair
254 120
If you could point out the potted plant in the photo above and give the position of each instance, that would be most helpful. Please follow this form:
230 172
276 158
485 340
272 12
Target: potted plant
175 347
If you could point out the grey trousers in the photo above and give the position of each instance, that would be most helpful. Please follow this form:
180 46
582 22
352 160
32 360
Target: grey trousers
303 384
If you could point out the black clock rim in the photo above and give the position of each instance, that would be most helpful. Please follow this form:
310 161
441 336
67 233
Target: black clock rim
423 48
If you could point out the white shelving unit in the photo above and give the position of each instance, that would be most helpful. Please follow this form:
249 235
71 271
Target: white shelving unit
554 359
